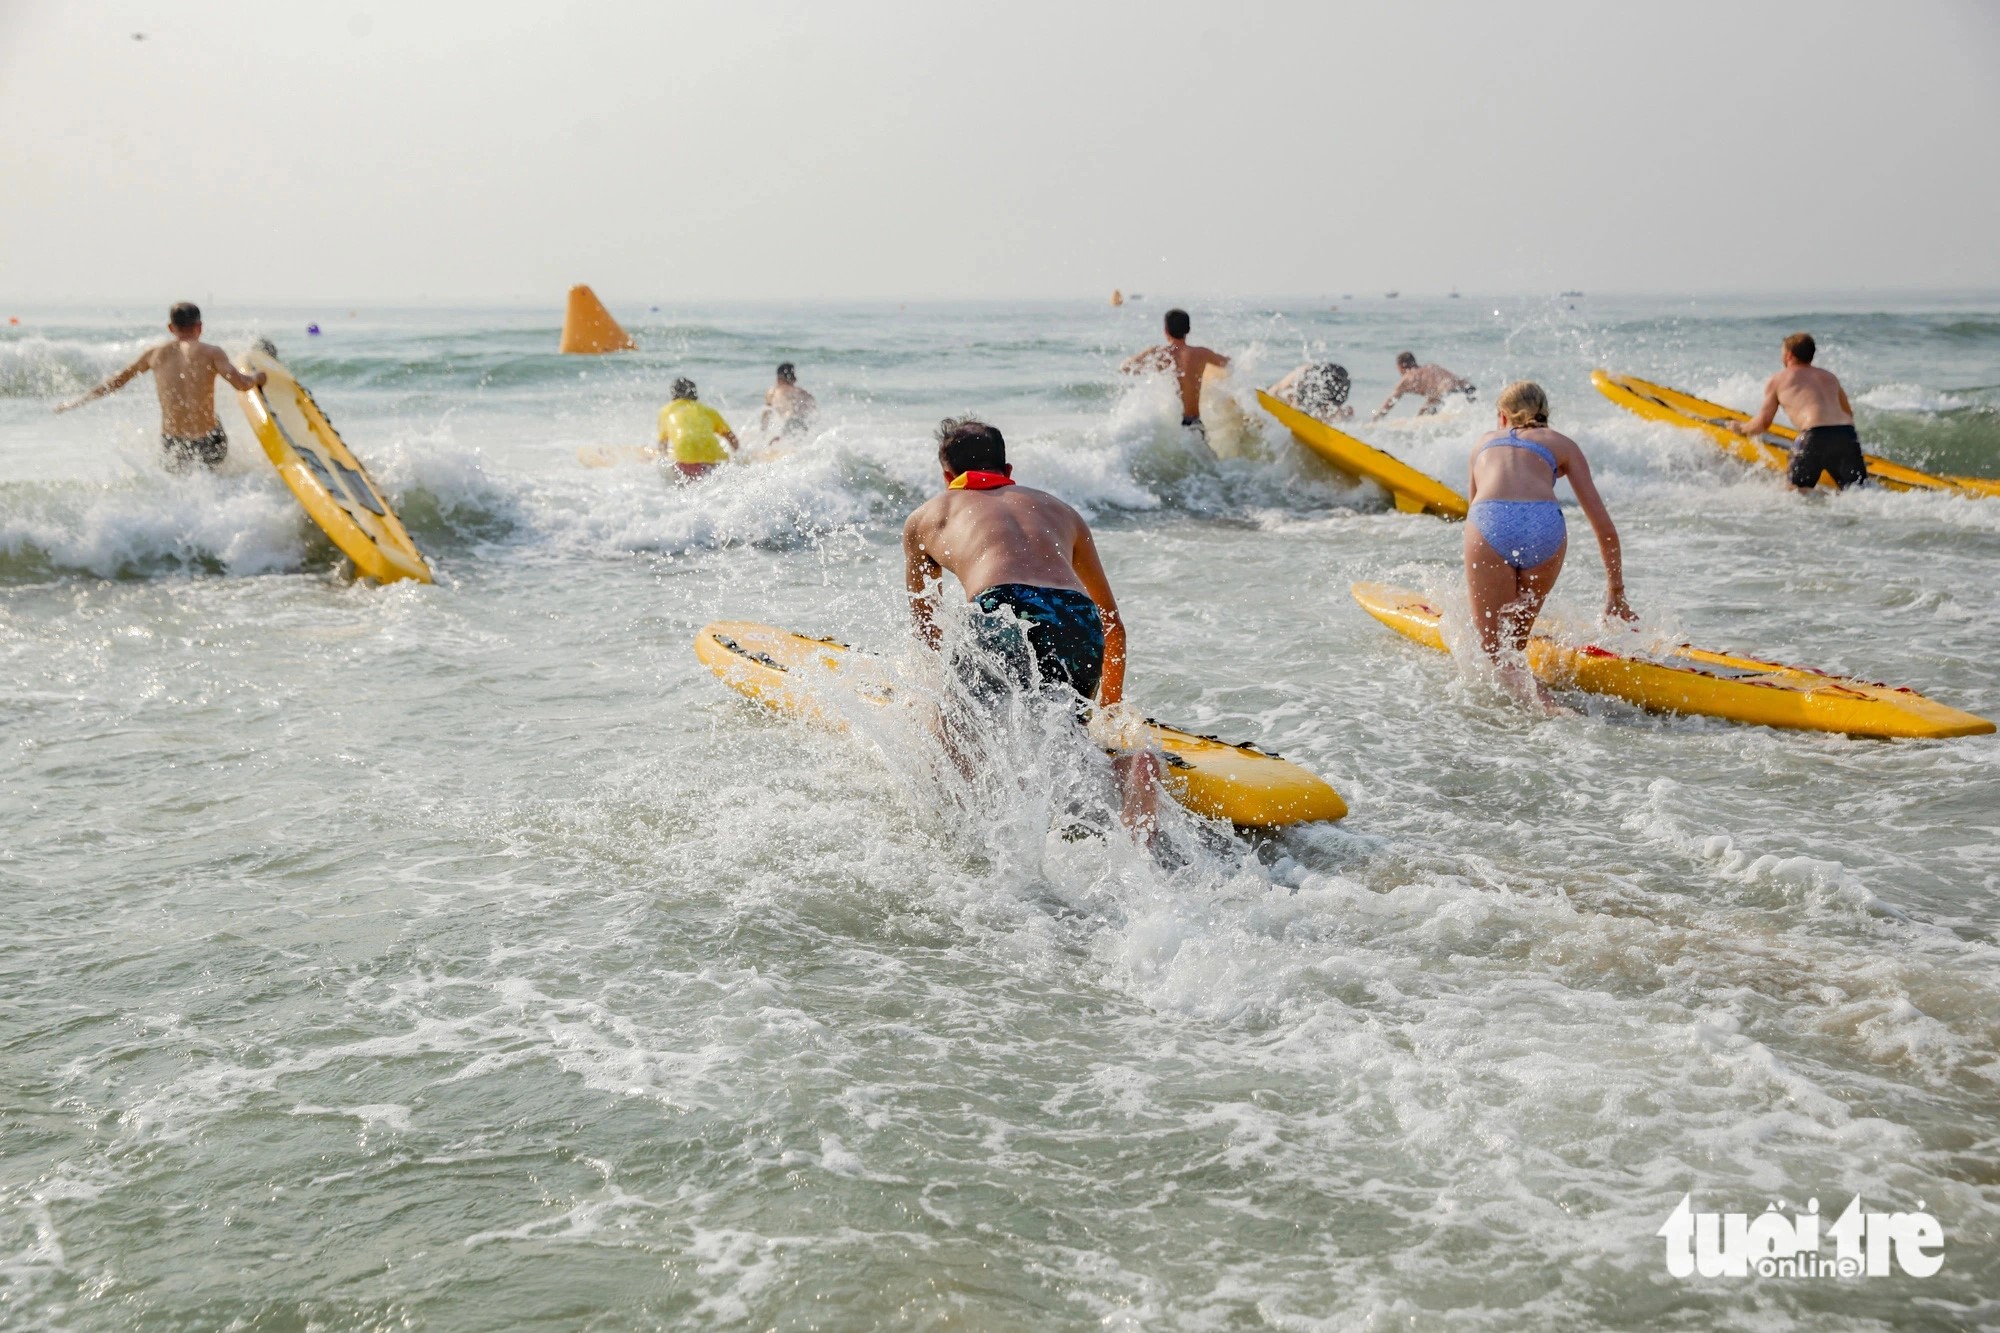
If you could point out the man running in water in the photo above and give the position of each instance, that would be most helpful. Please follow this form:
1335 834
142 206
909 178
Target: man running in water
788 409
1432 381
1818 407
1045 614
688 431
1188 363
184 373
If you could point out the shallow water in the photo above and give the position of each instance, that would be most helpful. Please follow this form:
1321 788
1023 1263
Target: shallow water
467 956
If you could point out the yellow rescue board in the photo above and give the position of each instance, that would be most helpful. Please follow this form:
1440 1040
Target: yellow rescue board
1239 783
1413 492
329 482
1694 680
617 455
1224 425
1657 402
613 455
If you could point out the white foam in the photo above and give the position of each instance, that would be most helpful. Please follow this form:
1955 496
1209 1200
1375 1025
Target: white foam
246 526
1908 398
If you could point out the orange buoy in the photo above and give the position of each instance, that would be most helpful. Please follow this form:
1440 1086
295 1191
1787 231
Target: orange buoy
588 327
1117 297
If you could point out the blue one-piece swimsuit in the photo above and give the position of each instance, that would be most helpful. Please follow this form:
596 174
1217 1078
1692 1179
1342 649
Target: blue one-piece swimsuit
1524 532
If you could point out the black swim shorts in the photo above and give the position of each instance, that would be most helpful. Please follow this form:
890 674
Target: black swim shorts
182 452
1053 637
1835 449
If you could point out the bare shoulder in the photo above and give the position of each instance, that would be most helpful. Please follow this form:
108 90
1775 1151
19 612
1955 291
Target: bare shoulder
923 515
1555 441
1056 505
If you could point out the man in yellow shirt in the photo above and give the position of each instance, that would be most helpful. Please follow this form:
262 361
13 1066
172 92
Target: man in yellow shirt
688 428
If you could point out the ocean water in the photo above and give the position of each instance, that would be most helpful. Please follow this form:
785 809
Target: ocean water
466 956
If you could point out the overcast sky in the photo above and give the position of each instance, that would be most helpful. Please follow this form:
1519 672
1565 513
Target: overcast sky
500 151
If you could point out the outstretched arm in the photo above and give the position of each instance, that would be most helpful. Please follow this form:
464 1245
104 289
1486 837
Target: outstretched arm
1766 414
1580 481
1090 570
1144 363
237 379
920 576
1402 387
112 385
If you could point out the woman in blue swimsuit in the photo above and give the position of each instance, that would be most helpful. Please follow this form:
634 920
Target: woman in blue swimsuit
1516 539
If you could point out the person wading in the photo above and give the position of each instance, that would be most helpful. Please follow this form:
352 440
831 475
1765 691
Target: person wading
1044 616
184 370
1818 408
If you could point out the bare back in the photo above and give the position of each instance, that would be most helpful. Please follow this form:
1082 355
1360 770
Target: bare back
1433 382
789 400
1506 472
1013 534
1810 397
184 375
1188 363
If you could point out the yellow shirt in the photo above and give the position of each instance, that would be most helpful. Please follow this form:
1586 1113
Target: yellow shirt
690 429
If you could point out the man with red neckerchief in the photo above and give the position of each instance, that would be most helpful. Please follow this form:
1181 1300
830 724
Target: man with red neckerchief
1027 561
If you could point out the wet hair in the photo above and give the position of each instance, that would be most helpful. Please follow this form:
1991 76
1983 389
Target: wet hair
1802 347
1178 323
1406 360
185 315
683 388
787 372
966 445
1523 403
1323 388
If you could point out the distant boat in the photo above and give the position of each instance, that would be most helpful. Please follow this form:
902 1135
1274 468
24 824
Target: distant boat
1391 295
1452 295
1569 294
1347 296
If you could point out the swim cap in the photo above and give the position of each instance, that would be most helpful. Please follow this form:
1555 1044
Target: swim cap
1323 388
683 388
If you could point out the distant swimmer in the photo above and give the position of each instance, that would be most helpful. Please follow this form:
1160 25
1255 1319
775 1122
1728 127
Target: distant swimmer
1045 614
1432 381
788 409
689 430
184 373
1185 360
1516 539
1318 389
1819 409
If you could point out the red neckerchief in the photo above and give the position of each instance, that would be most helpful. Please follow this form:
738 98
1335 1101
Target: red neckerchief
979 481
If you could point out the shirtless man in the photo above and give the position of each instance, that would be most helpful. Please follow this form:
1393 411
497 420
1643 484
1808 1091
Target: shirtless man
1818 407
184 374
1432 381
788 409
1046 616
1319 389
1185 360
